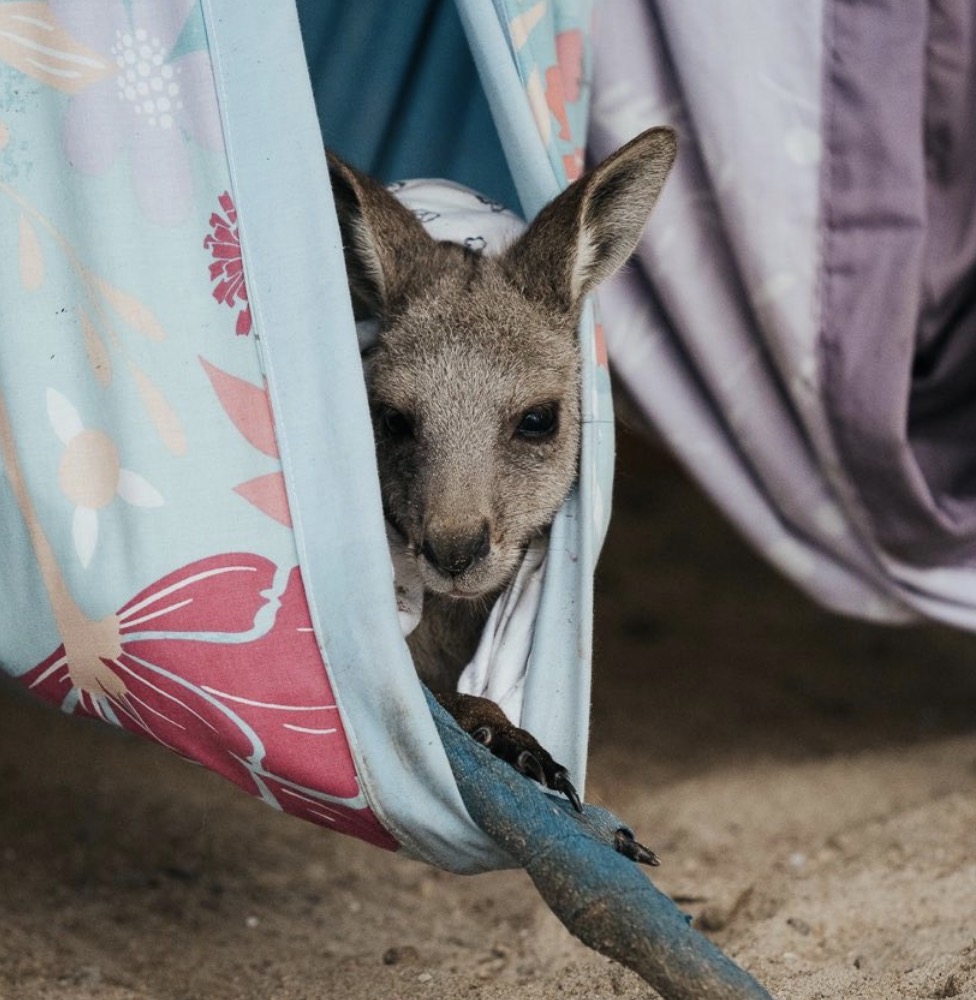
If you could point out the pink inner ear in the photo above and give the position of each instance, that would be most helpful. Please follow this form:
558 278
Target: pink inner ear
248 407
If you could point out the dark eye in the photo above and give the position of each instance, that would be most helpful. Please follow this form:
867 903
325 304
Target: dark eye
395 423
538 422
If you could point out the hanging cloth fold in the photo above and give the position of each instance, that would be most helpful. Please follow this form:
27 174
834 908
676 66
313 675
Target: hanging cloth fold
799 323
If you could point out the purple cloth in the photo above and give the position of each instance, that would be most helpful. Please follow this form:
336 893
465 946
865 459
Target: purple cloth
800 323
898 344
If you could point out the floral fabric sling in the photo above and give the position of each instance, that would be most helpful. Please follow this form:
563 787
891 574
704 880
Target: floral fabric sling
193 541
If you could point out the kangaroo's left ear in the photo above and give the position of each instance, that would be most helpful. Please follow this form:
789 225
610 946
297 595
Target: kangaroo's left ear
386 248
587 232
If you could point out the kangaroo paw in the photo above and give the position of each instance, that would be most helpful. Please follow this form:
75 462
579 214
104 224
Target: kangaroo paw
485 722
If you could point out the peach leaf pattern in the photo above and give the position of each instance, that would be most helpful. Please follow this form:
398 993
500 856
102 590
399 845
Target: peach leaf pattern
163 416
31 259
98 356
102 306
34 43
139 316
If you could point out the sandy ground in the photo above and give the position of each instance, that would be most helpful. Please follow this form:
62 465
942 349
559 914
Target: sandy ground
809 782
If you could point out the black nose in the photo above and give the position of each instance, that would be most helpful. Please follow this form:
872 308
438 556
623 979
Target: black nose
453 554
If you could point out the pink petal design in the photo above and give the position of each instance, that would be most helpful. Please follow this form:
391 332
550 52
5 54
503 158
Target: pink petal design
219 594
227 269
229 277
243 326
247 406
276 707
569 55
93 24
556 99
268 494
573 164
600 344
256 707
358 823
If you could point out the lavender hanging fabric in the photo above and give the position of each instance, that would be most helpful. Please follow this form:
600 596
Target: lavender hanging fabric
799 327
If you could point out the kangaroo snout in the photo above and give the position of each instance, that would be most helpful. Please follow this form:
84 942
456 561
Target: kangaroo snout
452 553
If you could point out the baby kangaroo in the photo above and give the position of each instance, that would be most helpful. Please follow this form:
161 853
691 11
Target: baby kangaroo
474 389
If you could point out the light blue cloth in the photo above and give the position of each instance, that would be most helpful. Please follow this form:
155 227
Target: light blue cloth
174 562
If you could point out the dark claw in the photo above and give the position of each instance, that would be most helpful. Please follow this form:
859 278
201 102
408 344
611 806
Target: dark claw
482 735
528 764
625 842
561 783
485 722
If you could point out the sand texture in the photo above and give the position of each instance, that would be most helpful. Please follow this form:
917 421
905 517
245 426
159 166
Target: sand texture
809 782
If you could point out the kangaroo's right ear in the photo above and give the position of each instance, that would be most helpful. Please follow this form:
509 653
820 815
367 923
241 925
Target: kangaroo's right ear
586 233
384 244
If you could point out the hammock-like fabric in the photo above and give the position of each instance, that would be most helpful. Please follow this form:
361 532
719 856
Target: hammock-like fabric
799 324
194 544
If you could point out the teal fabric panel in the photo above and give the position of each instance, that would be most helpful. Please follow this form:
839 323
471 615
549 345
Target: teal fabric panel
398 94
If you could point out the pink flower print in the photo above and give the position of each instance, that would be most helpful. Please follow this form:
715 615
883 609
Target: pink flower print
564 81
569 55
149 102
600 346
227 270
249 408
556 99
218 662
573 164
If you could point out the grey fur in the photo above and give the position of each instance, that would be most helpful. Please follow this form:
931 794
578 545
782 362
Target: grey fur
473 352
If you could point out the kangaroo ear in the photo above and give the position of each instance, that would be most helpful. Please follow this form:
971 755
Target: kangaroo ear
383 242
587 232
